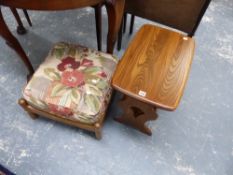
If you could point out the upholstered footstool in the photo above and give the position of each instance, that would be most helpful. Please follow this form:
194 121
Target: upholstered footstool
71 86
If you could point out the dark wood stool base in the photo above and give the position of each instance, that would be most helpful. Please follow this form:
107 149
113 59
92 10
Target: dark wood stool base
136 114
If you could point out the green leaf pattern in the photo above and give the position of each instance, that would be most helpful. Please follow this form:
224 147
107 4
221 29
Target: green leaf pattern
72 51
92 70
52 74
93 90
75 96
92 102
57 89
58 52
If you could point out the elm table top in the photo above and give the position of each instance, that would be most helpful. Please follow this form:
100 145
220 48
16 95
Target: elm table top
155 67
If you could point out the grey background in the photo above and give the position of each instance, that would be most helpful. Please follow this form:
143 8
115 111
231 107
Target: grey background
196 139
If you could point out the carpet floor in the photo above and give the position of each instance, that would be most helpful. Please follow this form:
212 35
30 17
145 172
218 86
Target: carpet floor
196 139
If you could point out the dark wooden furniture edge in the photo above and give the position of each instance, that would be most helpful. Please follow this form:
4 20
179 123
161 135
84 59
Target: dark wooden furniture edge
98 25
190 34
203 10
114 9
50 5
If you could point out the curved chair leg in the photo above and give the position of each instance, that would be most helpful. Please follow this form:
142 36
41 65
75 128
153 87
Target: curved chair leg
98 22
20 29
27 17
131 24
14 44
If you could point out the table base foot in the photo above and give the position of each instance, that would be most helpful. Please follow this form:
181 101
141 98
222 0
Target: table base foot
136 114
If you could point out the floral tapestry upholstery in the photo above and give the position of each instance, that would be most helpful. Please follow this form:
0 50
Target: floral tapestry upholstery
73 82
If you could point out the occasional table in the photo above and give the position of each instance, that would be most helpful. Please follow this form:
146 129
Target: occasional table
152 74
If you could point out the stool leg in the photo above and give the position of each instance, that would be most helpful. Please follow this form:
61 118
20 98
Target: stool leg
33 116
136 114
22 102
98 22
20 29
98 131
27 17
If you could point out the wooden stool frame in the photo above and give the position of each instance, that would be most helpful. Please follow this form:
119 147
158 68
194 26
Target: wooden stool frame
34 113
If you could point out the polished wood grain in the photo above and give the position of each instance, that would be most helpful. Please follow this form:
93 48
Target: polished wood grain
156 62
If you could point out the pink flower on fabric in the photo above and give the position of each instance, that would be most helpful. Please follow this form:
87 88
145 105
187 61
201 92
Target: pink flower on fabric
68 62
72 78
60 110
102 74
87 63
